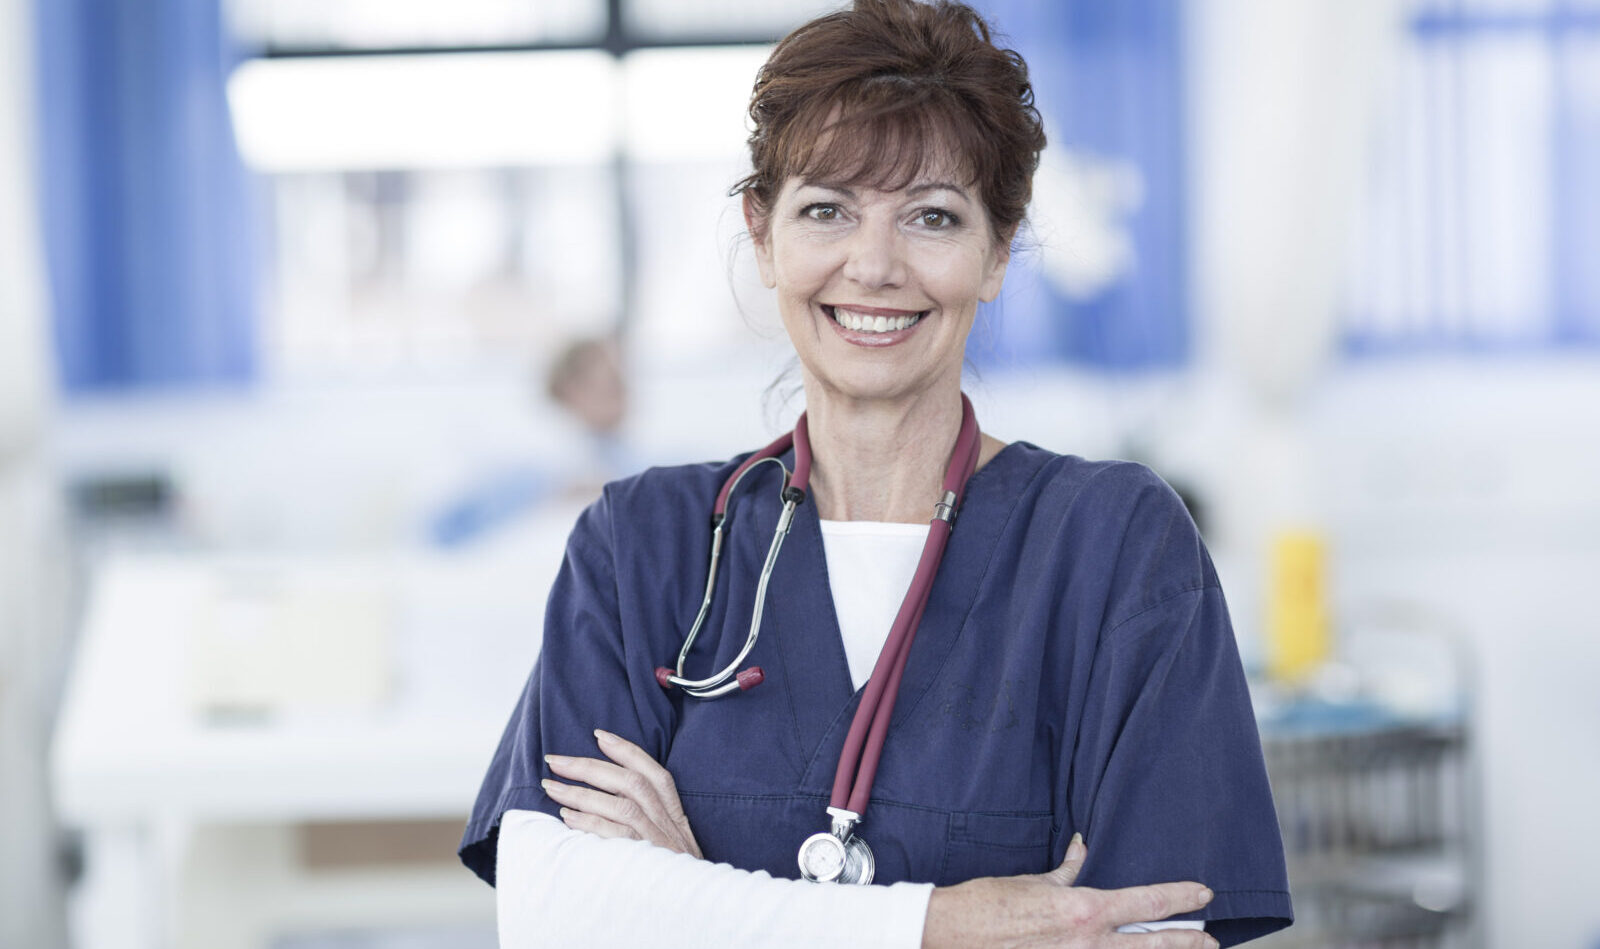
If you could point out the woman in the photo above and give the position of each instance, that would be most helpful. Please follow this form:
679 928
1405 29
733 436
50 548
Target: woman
1073 676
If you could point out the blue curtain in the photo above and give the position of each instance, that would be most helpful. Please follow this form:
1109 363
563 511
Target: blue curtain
1108 78
146 209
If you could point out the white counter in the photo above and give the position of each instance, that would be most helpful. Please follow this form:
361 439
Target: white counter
399 724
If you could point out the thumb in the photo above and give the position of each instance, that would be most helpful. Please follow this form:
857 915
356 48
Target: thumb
1067 873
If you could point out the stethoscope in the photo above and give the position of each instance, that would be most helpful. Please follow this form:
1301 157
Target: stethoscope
838 854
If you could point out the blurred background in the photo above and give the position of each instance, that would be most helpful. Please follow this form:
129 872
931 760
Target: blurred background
320 321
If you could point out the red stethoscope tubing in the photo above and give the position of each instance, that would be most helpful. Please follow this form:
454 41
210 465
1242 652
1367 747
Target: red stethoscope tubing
799 478
863 744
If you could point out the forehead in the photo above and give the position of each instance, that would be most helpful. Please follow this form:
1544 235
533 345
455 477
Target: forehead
881 150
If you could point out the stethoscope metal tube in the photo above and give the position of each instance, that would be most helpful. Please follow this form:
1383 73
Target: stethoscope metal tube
726 680
719 683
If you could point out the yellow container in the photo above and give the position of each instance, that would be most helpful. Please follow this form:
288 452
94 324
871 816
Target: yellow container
1297 607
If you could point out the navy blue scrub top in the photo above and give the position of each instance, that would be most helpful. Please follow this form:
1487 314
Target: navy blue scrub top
1075 671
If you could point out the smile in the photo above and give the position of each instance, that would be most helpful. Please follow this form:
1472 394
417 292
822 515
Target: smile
873 320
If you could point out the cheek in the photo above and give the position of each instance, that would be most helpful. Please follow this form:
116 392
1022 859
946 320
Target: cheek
799 271
959 282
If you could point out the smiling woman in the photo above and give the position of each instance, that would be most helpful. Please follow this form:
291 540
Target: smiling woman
878 289
1059 669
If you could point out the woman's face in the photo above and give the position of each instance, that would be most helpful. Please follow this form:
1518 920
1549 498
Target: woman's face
878 289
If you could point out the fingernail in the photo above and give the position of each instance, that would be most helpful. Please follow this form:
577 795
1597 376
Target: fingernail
547 784
602 735
1204 895
566 814
1212 942
1076 848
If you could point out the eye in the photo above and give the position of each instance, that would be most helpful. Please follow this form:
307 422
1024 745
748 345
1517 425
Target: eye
821 212
936 218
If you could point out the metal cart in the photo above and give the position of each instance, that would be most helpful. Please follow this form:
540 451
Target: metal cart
1377 804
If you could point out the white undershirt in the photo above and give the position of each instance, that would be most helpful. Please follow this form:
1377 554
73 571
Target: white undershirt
870 566
559 887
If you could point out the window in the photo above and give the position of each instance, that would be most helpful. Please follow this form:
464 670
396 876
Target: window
355 25
457 210
1478 232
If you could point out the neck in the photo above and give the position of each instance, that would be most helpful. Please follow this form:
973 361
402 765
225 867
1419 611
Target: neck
877 460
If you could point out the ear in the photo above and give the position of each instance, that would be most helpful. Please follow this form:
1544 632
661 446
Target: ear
994 275
756 222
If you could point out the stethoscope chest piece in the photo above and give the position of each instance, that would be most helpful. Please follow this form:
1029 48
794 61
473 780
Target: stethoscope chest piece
837 856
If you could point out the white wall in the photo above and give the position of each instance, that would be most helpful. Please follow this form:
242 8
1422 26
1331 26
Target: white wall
30 902
1469 490
1282 99
22 324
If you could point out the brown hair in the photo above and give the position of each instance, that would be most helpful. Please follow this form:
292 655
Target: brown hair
871 94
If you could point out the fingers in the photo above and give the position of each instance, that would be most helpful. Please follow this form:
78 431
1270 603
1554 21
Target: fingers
1143 904
609 807
613 779
665 807
596 825
1067 873
632 791
1166 939
636 759
630 755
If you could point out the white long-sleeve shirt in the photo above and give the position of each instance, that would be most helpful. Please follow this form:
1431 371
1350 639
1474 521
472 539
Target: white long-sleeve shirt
559 887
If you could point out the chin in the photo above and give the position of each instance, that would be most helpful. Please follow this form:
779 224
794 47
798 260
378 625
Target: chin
874 388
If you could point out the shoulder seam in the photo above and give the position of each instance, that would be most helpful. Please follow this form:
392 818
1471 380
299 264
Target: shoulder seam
1199 587
966 617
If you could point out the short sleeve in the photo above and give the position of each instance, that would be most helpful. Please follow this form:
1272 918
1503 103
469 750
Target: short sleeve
1168 777
580 682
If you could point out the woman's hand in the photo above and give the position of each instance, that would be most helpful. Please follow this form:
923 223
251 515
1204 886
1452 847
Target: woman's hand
636 797
1046 909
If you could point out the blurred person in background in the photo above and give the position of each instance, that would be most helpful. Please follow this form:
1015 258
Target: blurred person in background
586 381
999 680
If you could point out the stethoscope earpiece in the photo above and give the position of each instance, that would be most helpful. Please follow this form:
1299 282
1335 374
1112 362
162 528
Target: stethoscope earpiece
747 679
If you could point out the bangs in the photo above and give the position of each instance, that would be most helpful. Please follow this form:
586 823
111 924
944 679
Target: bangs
888 135
887 93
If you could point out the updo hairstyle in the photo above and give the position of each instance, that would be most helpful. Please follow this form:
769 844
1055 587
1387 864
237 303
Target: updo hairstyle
870 95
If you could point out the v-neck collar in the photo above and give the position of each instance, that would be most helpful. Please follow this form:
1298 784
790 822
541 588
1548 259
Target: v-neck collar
805 622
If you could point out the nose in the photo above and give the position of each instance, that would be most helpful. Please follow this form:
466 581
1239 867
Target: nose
875 257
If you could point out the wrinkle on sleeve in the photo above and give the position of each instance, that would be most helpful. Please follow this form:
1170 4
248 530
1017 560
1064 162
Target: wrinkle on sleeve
1168 782
580 682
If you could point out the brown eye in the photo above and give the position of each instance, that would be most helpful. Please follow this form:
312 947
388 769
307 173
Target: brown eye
821 212
935 218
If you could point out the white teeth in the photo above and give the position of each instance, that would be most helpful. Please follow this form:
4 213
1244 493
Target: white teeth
872 324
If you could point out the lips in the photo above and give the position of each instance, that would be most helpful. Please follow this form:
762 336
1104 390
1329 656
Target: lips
872 320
